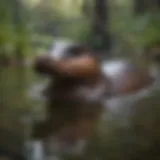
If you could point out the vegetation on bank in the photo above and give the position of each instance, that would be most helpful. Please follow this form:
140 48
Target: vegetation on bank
21 20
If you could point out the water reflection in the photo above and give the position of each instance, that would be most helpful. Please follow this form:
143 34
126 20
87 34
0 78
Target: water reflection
128 127
14 105
119 129
138 138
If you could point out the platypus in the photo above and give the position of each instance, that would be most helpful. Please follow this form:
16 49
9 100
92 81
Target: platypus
79 84
70 61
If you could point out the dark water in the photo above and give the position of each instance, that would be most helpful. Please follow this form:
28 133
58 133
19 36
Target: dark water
128 128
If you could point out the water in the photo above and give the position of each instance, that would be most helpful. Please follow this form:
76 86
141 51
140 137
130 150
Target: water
16 108
129 125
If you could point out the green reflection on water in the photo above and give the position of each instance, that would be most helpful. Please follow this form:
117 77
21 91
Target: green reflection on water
14 101
137 141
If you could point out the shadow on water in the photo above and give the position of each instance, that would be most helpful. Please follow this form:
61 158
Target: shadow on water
127 129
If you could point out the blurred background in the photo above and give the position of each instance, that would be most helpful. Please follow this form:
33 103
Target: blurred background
29 27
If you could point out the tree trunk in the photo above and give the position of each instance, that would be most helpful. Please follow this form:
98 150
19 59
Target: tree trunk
158 3
139 6
100 25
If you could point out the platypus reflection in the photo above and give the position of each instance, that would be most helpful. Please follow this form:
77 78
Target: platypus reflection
79 84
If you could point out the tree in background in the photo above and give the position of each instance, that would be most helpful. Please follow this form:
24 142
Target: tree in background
96 11
14 32
101 24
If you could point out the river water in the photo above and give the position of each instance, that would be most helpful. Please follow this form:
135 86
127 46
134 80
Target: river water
128 125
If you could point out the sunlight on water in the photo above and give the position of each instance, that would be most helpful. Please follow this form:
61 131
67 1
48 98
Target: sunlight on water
112 67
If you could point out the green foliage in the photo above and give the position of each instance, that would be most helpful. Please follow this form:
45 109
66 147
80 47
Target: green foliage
77 30
14 34
40 44
151 32
135 32
22 40
10 41
6 32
